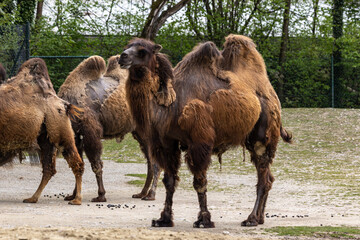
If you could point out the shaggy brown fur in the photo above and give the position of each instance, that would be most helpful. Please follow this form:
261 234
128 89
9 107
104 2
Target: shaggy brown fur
106 115
2 74
34 118
214 110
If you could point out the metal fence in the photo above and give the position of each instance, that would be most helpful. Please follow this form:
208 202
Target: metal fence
14 46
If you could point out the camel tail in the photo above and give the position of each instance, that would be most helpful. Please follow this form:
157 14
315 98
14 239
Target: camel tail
285 135
73 112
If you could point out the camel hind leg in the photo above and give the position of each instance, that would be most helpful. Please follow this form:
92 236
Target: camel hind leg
152 176
77 165
48 158
262 144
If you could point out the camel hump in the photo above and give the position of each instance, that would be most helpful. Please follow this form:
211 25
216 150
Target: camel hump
204 54
73 88
235 41
90 69
113 69
33 71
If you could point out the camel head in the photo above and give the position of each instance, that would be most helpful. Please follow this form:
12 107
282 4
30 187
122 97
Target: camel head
140 52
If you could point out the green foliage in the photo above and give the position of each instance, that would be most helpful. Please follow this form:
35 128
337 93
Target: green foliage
322 232
85 28
25 11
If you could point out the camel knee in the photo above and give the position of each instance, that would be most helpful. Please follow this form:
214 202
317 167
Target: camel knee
200 184
170 182
259 148
74 161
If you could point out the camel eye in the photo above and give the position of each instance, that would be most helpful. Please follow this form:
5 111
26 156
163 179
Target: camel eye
142 53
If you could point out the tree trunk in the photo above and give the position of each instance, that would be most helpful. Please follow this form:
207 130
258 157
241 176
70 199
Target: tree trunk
283 48
39 9
155 20
338 11
316 7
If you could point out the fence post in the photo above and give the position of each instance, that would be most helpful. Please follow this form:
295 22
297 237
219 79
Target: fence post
332 82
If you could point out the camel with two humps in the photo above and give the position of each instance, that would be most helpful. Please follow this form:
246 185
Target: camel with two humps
34 118
215 108
100 91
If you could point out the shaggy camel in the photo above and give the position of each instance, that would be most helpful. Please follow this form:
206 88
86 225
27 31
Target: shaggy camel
34 118
100 91
2 74
214 109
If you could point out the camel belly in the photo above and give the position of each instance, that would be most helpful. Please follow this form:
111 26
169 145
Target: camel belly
234 116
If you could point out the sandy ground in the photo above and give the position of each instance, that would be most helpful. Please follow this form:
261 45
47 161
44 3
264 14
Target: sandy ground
289 204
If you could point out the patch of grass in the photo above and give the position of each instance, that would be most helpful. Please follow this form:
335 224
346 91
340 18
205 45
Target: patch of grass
139 175
323 232
127 151
137 182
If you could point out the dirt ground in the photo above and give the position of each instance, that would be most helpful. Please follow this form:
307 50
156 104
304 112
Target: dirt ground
53 218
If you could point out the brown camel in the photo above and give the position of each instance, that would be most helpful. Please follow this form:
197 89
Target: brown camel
215 109
2 74
34 118
100 91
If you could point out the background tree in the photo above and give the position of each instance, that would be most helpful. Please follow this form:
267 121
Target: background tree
158 16
338 11
284 47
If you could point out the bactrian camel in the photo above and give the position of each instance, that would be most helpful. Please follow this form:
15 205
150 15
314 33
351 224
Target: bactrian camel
222 99
33 118
100 92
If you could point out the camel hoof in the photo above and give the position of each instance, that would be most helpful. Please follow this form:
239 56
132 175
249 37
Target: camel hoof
203 224
99 199
249 223
162 223
69 198
139 195
30 200
149 197
75 202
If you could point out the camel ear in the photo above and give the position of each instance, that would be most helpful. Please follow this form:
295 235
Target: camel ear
157 48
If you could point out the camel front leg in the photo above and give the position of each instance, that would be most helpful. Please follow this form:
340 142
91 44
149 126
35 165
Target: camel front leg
204 216
166 220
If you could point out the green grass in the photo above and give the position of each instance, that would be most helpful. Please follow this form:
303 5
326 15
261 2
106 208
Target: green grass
318 232
138 182
127 151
